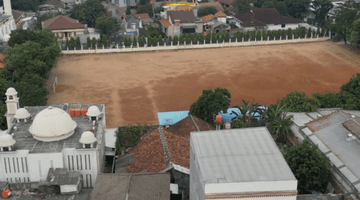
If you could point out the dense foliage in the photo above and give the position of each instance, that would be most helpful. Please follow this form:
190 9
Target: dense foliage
299 102
206 10
107 25
310 167
128 136
25 5
147 8
88 12
210 103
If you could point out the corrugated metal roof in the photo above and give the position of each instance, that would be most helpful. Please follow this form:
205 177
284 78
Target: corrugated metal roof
239 155
300 118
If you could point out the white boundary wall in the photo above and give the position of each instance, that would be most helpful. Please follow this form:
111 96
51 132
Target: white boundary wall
198 46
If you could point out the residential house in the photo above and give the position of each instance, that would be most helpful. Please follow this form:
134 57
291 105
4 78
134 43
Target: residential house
144 17
154 186
175 142
215 23
24 20
47 8
239 163
43 137
113 10
181 22
336 132
265 19
66 28
7 22
18 16
133 26
67 3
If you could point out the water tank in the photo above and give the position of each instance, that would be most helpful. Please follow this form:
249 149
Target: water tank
77 112
71 112
218 119
83 111
6 194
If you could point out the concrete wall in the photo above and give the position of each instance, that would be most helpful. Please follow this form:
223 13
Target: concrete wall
195 46
39 164
278 27
14 166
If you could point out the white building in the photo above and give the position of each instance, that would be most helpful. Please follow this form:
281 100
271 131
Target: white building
239 164
41 137
7 22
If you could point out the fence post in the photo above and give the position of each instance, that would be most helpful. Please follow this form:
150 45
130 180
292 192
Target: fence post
103 47
146 39
95 46
293 36
67 48
311 35
274 38
286 37
198 42
305 36
184 43
299 38
236 40
261 38
204 41
280 37
82 47
255 39
217 41
242 40
317 36
329 34
249 39
191 42
178 43
268 38
171 43
117 46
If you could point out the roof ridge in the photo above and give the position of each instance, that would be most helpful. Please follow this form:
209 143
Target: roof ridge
57 17
166 149
192 119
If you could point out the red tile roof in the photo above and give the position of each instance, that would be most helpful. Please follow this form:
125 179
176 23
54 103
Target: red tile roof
165 23
261 16
62 22
179 149
185 126
220 14
207 18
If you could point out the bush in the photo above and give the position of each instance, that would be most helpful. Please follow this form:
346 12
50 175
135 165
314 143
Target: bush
72 44
227 36
93 43
247 35
206 10
169 40
327 100
258 35
201 38
127 41
301 32
238 35
128 136
175 40
289 33
160 40
181 39
187 38
214 38
134 42
88 42
208 38
252 35
309 32
105 41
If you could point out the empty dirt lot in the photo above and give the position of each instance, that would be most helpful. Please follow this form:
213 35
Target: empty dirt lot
135 87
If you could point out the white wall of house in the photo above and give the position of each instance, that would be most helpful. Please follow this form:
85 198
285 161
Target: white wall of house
222 19
279 27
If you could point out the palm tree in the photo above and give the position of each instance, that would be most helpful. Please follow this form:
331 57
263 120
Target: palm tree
281 127
247 112
272 113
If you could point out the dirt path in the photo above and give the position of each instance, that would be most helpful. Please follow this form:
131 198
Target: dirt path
135 87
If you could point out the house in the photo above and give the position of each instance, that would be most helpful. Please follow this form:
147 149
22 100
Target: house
67 3
133 25
175 142
24 20
265 19
113 10
144 17
215 23
239 163
69 182
181 22
38 138
155 186
336 132
7 22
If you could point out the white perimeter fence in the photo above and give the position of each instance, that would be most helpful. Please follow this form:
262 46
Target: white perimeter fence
164 47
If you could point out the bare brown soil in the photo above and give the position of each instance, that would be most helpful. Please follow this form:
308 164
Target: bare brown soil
135 86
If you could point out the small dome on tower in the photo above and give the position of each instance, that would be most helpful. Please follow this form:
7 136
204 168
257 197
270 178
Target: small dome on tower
11 91
93 111
6 140
52 124
87 138
22 113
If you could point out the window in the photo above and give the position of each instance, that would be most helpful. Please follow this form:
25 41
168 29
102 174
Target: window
87 146
66 34
282 25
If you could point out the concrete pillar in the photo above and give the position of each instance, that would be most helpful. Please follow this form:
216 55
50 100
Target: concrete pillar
171 43
103 47
230 41
299 38
311 35
305 36
146 39
217 41
280 37
67 48
158 44
329 34
255 39
95 46
249 39
164 44
82 47
317 36
184 43
286 37
236 40
242 40
191 43
293 36
117 46
198 42
178 43
268 38
274 38
261 38
137 45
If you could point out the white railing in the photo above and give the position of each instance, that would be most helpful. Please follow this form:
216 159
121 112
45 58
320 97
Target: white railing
177 46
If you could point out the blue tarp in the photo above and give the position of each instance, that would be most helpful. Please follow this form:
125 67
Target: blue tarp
170 118
131 33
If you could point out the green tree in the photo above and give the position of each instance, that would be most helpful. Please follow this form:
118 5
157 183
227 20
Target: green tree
141 41
25 5
176 40
247 35
321 9
310 167
299 102
243 5
355 34
227 36
280 127
71 43
88 12
309 32
93 43
344 18
159 9
301 32
247 112
105 41
272 113
297 8
181 39
289 33
160 40
348 100
4 85
107 26
206 10
353 86
210 103
31 95
201 38
127 41
170 40
258 35
327 100
3 122
208 38
187 39
147 8
78 44
143 2
214 38
88 42
134 42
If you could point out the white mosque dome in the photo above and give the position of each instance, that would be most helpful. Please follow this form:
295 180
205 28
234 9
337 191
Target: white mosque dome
93 111
87 138
6 140
11 91
52 124
22 113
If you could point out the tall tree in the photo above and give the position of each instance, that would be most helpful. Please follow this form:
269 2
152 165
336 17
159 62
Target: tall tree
299 102
88 12
206 10
344 18
355 34
279 5
247 112
297 8
210 103
243 5
280 127
321 9
310 167
147 8
107 26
